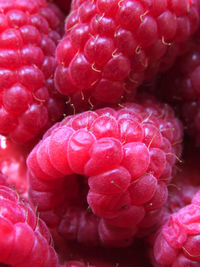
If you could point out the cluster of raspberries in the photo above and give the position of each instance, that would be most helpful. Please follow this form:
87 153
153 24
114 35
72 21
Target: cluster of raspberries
89 158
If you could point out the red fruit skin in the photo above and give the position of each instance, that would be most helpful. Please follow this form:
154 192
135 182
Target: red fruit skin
85 174
177 243
29 34
25 238
111 47
183 202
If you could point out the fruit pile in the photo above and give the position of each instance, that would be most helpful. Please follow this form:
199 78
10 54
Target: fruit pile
99 133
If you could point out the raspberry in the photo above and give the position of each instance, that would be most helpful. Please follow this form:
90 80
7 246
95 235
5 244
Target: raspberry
185 184
177 243
110 44
28 38
120 160
181 193
181 87
25 239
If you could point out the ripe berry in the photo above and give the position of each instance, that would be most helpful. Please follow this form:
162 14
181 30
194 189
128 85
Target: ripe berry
25 239
29 31
177 242
181 87
110 44
182 190
120 160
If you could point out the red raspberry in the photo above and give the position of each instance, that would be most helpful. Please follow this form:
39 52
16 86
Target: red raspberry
181 193
109 44
29 31
177 243
123 156
181 87
25 239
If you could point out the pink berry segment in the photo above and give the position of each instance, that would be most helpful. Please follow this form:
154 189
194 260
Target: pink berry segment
104 172
177 242
29 32
111 47
183 191
25 239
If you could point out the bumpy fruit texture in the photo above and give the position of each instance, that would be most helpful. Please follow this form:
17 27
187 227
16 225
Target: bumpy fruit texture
120 160
25 239
177 243
111 46
29 31
181 190
181 87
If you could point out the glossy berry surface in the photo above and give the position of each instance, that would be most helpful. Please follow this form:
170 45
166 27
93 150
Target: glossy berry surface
177 243
110 47
182 192
29 31
100 176
25 239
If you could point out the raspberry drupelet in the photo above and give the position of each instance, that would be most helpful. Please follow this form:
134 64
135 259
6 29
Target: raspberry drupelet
29 32
111 46
25 239
100 175
181 193
177 242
